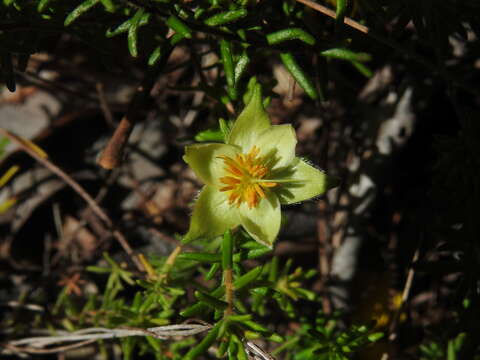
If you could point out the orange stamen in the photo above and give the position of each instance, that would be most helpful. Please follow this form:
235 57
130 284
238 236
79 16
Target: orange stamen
244 178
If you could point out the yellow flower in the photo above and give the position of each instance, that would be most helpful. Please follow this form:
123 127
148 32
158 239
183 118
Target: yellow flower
247 178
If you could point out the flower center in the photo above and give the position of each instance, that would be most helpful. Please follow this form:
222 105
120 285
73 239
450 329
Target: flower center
245 181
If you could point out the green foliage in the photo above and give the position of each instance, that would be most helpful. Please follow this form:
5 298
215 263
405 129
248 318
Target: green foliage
243 34
159 301
239 27
452 349
3 144
323 339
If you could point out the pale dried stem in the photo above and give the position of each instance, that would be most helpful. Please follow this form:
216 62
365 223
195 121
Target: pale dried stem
405 296
86 336
107 113
170 262
326 11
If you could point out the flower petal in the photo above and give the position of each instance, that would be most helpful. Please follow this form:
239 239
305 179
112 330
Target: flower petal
205 162
212 215
250 123
263 221
306 182
277 145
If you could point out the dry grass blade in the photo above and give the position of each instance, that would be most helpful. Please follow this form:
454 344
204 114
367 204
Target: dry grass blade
33 152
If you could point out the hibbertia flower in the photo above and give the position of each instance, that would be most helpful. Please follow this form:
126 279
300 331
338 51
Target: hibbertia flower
249 177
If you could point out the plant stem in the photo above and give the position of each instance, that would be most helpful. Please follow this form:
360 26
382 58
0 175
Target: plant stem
229 290
170 262
227 260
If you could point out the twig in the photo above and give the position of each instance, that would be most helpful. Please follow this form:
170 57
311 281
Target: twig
366 30
405 296
53 85
112 155
86 214
229 290
256 351
165 237
170 262
107 113
89 335
31 350
17 304
324 10
79 190
390 43
324 254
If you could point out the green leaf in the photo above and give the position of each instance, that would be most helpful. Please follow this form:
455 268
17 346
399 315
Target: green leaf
225 128
80 10
176 38
206 342
238 284
133 31
240 353
154 343
210 135
227 60
98 270
108 5
255 327
128 345
155 56
42 4
290 34
375 336
345 54
241 66
299 75
247 278
226 17
224 345
340 14
211 301
179 27
123 27
365 71
213 270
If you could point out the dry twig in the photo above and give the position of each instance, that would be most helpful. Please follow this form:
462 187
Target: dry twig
37 345
324 10
36 154
112 155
